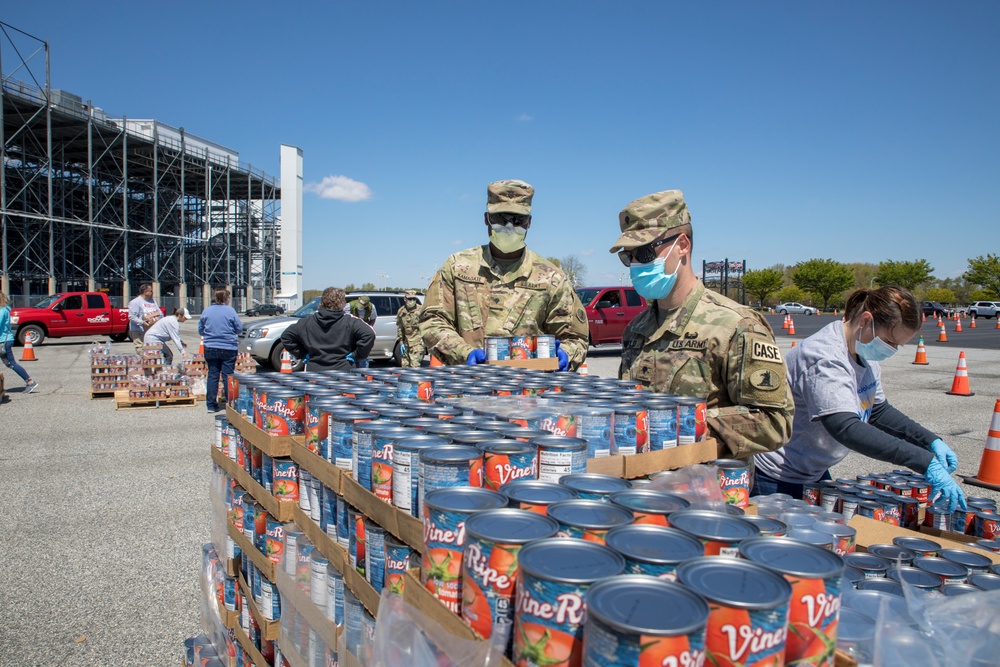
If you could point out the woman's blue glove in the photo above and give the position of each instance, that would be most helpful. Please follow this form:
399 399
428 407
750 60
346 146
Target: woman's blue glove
477 356
350 357
562 357
945 455
943 487
402 348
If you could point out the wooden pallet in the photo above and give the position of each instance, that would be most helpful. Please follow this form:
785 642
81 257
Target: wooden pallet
102 393
123 402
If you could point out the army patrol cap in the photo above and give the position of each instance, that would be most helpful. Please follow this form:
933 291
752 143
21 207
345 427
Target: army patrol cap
411 294
363 300
509 197
651 218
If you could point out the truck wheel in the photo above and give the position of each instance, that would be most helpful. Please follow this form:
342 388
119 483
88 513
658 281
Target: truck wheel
117 338
397 354
275 358
32 331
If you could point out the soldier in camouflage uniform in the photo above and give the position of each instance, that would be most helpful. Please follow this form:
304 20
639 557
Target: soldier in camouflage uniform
502 289
694 342
408 331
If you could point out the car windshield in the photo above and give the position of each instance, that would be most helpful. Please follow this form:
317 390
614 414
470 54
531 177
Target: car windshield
47 301
307 309
587 295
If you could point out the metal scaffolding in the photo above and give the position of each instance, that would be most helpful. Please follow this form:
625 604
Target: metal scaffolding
89 202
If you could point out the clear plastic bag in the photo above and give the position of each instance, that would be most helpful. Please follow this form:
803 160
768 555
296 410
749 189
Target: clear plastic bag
404 636
697 484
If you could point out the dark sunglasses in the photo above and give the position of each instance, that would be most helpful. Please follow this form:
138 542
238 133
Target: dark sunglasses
644 254
515 219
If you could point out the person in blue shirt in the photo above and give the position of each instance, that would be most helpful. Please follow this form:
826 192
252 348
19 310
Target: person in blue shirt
219 325
7 343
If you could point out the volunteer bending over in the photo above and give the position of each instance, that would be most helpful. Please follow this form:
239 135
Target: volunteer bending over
835 379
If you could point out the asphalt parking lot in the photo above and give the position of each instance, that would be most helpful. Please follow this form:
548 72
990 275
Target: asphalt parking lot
107 510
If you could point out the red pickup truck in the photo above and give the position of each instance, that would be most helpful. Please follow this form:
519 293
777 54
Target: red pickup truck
609 310
70 314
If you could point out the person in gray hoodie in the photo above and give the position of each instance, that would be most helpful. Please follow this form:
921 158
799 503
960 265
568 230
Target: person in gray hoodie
330 339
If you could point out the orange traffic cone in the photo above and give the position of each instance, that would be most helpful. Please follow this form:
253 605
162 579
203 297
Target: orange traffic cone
582 370
940 322
435 361
972 324
791 327
201 346
793 343
989 465
998 323
921 358
958 326
943 336
28 353
960 385
286 362
784 324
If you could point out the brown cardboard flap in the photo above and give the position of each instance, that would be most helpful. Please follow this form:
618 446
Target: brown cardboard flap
608 465
411 530
362 590
317 466
327 546
262 562
279 509
872 532
302 603
268 629
841 659
229 618
643 465
255 657
405 527
537 364
272 445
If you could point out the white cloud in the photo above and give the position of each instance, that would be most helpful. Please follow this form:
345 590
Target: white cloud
525 117
586 252
458 242
340 188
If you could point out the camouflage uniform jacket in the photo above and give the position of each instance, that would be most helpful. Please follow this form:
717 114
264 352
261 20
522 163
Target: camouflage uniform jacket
408 333
714 348
472 297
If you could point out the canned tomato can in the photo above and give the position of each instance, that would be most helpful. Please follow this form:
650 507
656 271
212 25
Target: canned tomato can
507 460
596 427
261 468
558 422
989 545
382 472
334 595
415 385
356 545
937 516
545 347
340 443
987 525
445 513
274 540
535 495
493 539
270 600
522 347
362 441
560 455
343 523
691 420
250 509
406 470
375 555
734 481
449 466
985 581
948 571
318 584
592 486
260 402
631 430
661 422
974 562
588 520
720 533
397 560
811 493
843 536
892 553
285 476
768 527
497 348
549 614
920 490
748 609
653 550
871 510
354 612
918 545
873 567
638 620
648 506
829 498
317 424
284 412
815 577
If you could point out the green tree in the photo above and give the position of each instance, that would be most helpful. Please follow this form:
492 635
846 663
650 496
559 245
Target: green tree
791 293
763 283
984 272
310 294
940 294
960 286
982 295
350 288
823 277
909 275
368 287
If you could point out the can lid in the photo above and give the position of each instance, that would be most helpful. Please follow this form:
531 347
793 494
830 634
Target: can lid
767 525
465 499
648 500
713 525
940 566
952 590
441 427
559 442
380 425
515 431
735 583
788 556
866 562
916 544
420 442
853 575
640 604
536 491
729 464
350 414
594 412
689 400
890 586
510 526
588 482
914 576
892 552
569 560
589 514
450 454
967 558
985 581
472 437
393 431
834 528
654 544
397 412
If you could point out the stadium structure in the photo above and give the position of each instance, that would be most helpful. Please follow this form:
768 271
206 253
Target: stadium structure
93 202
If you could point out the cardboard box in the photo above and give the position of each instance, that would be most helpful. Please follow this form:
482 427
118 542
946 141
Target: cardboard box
272 445
327 473
252 653
643 465
404 526
300 601
326 544
279 509
262 562
536 364
268 629
876 532
362 590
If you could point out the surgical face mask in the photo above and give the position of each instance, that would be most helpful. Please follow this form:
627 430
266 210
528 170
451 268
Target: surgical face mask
411 304
507 238
651 280
875 350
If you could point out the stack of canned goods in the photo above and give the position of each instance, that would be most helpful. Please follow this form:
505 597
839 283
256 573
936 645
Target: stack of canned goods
895 498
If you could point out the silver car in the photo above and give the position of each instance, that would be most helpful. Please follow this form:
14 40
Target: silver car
793 308
263 339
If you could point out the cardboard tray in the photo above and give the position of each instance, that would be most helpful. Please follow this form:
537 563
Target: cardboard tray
272 445
262 562
268 629
537 364
303 605
252 653
327 473
401 524
876 532
279 509
643 465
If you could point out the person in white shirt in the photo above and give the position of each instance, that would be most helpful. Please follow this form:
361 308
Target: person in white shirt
143 312
168 328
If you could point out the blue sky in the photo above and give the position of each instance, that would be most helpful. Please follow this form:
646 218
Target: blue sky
854 130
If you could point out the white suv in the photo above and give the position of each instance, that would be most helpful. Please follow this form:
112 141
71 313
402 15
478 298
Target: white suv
985 309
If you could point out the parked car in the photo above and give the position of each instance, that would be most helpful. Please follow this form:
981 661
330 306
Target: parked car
269 309
987 309
263 339
70 314
609 310
793 308
934 308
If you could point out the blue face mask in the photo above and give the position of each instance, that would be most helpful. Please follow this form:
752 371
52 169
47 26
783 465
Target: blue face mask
875 350
651 280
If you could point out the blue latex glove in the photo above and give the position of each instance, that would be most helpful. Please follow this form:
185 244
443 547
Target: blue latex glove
350 357
943 487
562 357
945 455
402 348
477 356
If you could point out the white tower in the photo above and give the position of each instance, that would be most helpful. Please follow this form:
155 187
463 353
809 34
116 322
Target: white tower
290 295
